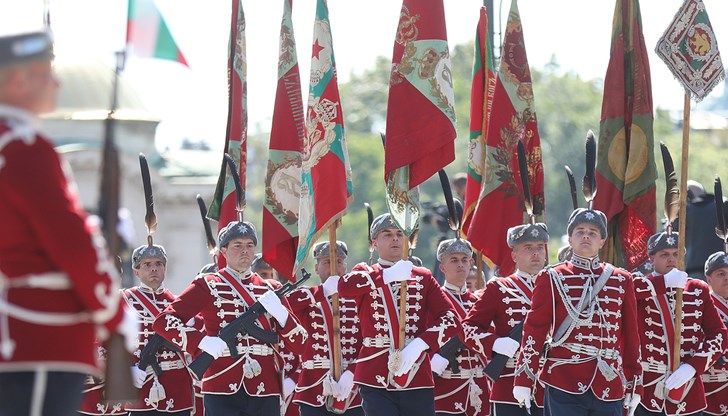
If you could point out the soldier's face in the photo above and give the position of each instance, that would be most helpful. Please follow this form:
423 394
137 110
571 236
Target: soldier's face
456 268
239 253
529 257
389 243
586 240
323 267
266 273
151 272
718 281
664 260
32 86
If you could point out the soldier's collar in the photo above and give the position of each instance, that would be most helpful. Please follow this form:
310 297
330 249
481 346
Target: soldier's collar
239 275
720 298
587 263
455 289
385 263
527 277
146 289
19 114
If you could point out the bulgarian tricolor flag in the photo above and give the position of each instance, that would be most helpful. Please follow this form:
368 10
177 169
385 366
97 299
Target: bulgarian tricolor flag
513 118
326 186
222 207
626 171
147 35
481 102
420 129
283 178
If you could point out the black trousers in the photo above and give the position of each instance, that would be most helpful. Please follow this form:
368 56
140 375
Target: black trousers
560 403
380 402
507 409
641 411
241 404
307 410
159 413
40 393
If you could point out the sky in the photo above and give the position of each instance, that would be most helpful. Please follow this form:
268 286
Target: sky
192 101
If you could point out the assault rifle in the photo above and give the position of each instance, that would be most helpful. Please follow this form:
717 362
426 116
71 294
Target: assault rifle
148 355
450 350
498 362
245 325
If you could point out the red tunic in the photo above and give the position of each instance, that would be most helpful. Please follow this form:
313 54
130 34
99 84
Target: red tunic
219 303
466 392
703 340
429 316
175 378
60 284
600 351
502 305
314 310
715 380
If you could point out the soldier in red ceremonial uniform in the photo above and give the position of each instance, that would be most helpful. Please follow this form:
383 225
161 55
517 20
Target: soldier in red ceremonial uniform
171 392
588 309
715 380
702 339
316 389
252 383
402 386
59 289
463 392
502 306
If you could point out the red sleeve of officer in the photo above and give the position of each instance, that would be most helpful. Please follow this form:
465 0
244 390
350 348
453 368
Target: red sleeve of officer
32 180
477 324
444 323
536 328
171 322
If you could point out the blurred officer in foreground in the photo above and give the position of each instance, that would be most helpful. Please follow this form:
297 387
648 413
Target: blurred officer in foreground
59 289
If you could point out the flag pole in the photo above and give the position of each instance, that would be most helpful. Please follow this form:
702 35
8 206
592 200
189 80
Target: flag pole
336 347
681 228
403 297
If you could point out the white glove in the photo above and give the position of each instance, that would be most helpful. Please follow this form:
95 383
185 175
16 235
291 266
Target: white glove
676 278
129 328
273 306
288 386
410 353
681 376
522 395
438 364
506 346
138 376
401 270
331 285
343 387
214 346
631 401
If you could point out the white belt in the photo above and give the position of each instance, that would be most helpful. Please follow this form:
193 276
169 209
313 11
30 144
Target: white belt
258 349
653 367
721 377
311 364
168 365
376 342
464 373
50 281
608 353
511 363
